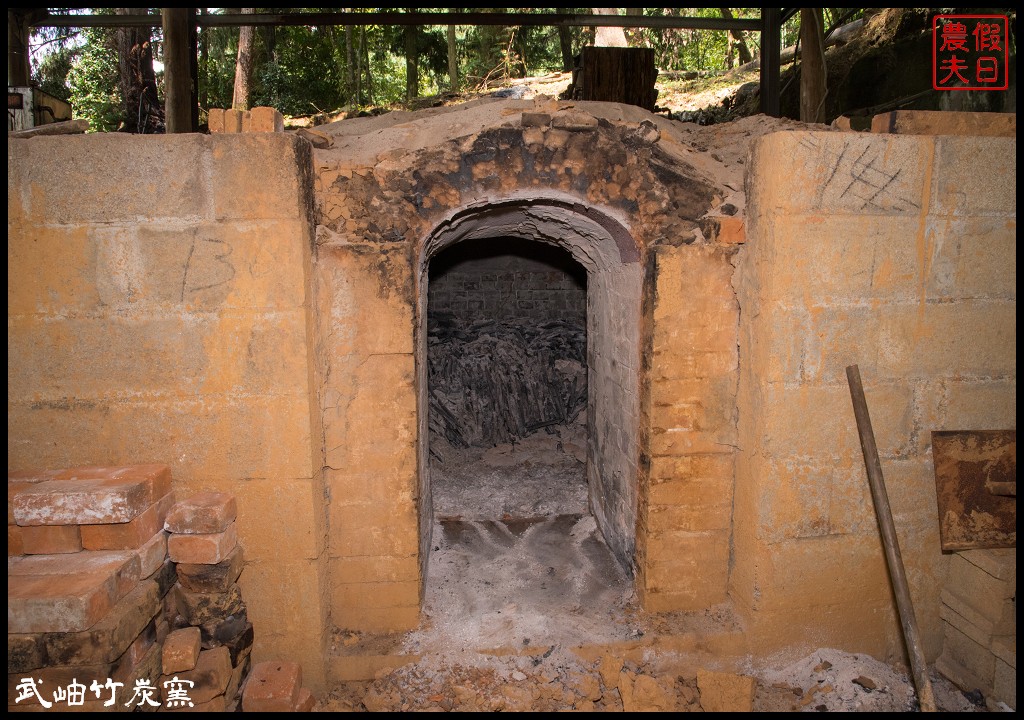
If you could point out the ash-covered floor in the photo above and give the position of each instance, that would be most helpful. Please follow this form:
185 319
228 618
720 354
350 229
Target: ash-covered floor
516 558
527 610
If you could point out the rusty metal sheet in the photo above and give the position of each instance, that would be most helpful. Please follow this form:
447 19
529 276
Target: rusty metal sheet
974 472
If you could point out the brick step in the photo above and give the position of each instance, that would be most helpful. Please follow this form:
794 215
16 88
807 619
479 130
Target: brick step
72 592
86 495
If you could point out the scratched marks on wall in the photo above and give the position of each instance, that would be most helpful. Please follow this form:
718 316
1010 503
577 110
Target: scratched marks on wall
207 266
862 175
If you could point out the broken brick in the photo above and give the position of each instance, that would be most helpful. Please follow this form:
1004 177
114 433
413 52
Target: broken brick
210 675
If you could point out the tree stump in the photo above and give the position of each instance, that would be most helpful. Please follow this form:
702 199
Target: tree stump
614 74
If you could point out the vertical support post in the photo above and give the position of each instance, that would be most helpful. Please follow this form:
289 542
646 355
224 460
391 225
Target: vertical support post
17 48
771 62
177 73
193 63
890 542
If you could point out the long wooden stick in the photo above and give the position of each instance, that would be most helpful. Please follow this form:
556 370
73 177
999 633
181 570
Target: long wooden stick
889 540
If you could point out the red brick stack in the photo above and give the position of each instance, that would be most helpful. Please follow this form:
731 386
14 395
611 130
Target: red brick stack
212 642
86 579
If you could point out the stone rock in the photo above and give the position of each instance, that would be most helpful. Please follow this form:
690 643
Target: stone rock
725 692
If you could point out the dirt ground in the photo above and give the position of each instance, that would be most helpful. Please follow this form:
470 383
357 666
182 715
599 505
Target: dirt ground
520 618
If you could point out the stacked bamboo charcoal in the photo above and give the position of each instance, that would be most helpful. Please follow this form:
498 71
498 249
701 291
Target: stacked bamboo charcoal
498 381
979 620
211 642
87 575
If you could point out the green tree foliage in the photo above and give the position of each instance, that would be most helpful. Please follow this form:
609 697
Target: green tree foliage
302 70
93 81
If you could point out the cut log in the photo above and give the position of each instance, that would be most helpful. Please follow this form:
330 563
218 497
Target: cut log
615 74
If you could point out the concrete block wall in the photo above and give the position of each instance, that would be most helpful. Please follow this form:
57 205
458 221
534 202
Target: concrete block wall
898 255
159 310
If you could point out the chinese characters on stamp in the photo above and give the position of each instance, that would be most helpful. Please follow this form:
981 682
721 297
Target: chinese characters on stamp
969 52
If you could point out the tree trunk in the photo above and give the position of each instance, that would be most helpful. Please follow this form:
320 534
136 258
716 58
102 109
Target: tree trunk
350 69
142 111
243 66
609 36
453 58
565 43
366 63
737 40
812 67
412 75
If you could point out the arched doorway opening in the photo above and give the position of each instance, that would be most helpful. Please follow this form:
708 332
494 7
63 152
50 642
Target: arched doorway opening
529 364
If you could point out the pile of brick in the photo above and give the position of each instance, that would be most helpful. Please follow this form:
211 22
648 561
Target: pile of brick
87 575
979 619
211 643
259 119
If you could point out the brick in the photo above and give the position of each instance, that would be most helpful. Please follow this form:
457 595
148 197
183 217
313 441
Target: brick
956 610
152 554
227 631
81 501
15 546
109 638
215 120
306 701
51 539
240 646
139 648
202 514
273 686
969 665
725 692
156 476
131 535
973 584
233 120
181 650
208 549
25 652
124 566
210 675
197 577
165 577
18 481
68 603
265 119
935 122
201 608
238 675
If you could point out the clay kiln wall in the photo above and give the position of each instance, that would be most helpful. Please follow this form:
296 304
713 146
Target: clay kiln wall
158 311
896 254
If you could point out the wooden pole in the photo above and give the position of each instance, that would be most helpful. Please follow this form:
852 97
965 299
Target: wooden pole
813 87
889 540
177 71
